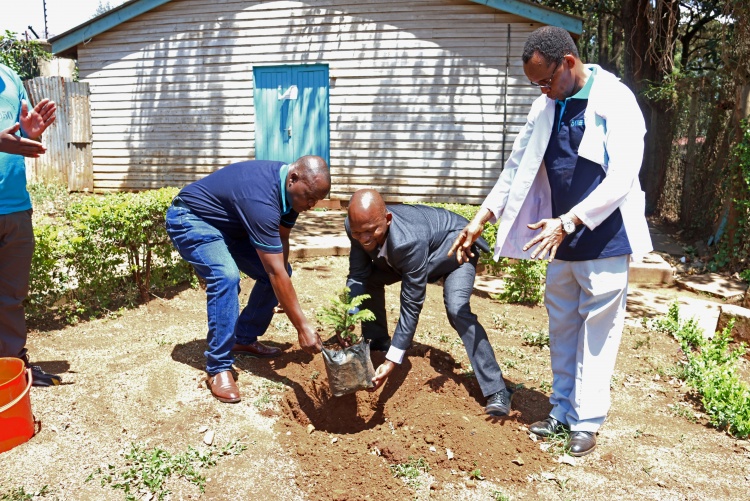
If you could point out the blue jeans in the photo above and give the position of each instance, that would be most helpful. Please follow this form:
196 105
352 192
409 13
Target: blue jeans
218 259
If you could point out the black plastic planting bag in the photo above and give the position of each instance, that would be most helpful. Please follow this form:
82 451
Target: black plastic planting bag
349 369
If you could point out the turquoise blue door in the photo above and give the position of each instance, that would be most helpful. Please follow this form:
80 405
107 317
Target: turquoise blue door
291 112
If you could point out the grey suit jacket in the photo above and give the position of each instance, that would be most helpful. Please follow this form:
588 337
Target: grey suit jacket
417 246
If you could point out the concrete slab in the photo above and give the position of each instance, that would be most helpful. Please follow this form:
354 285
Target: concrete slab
486 285
653 269
714 284
741 316
662 242
646 302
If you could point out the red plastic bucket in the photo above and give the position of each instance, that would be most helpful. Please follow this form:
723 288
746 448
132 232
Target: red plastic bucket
16 419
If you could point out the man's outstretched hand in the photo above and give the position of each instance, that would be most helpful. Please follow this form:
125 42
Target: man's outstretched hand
463 242
17 145
36 121
549 239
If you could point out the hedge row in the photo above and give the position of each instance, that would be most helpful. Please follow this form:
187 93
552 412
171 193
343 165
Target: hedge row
103 252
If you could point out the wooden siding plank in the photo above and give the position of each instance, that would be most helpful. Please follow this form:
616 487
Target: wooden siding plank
416 94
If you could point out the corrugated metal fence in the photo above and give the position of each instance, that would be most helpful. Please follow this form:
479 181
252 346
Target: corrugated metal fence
68 159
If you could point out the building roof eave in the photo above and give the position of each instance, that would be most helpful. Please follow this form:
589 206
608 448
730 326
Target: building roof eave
64 42
539 13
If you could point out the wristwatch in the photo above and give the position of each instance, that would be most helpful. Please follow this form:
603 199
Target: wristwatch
568 225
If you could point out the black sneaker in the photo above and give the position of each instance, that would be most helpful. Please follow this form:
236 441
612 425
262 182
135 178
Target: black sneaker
498 404
39 377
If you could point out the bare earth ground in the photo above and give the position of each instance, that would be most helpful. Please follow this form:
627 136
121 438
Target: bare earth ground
137 378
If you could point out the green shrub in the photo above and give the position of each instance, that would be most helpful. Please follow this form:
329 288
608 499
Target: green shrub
124 229
469 211
711 369
104 250
48 280
524 282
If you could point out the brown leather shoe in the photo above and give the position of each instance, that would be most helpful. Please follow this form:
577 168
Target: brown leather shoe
581 443
224 388
257 349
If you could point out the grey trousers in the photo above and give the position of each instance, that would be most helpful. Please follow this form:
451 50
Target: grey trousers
16 251
457 288
585 301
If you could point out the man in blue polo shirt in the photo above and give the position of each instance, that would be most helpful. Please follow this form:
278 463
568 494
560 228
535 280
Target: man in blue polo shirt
239 219
20 133
573 174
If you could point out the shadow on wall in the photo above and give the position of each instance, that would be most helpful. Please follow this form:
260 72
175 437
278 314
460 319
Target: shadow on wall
178 104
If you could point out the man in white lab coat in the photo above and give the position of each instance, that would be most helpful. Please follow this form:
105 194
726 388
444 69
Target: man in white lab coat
570 189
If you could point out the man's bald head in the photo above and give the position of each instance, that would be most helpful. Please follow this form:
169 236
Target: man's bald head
368 218
308 182
314 171
366 203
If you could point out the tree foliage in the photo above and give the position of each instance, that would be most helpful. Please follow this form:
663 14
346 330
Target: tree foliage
343 314
22 56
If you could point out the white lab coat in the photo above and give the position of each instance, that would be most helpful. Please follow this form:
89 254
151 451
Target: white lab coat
613 138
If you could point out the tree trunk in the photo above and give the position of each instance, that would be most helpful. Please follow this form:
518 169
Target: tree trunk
687 202
658 149
617 47
647 61
637 72
603 41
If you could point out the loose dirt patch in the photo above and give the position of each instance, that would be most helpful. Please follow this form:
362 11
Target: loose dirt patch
137 378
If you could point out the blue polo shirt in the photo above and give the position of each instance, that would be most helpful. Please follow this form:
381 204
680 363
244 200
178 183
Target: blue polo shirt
246 199
13 194
573 178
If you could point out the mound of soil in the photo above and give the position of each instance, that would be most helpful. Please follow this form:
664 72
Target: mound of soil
426 410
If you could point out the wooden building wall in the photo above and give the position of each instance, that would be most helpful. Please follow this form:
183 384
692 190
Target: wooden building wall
416 91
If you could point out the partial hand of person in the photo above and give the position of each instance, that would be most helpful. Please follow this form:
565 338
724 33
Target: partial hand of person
309 340
549 239
17 145
381 374
462 245
36 121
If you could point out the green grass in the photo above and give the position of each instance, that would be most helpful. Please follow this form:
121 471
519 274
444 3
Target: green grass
147 470
410 471
682 411
710 368
20 494
476 474
499 496
538 339
639 343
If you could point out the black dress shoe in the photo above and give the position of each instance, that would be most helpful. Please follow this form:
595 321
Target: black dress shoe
547 427
498 404
581 443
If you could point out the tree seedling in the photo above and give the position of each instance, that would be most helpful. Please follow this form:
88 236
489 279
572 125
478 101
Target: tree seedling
343 314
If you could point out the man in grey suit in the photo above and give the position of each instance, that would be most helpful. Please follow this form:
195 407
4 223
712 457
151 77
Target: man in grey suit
409 244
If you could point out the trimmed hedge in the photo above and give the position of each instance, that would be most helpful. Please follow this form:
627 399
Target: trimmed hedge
104 251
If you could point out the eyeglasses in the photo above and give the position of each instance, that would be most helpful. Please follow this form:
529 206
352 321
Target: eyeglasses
548 84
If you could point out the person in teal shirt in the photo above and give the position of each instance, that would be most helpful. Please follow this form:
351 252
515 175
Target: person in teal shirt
21 129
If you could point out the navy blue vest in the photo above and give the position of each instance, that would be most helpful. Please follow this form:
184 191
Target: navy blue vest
572 179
